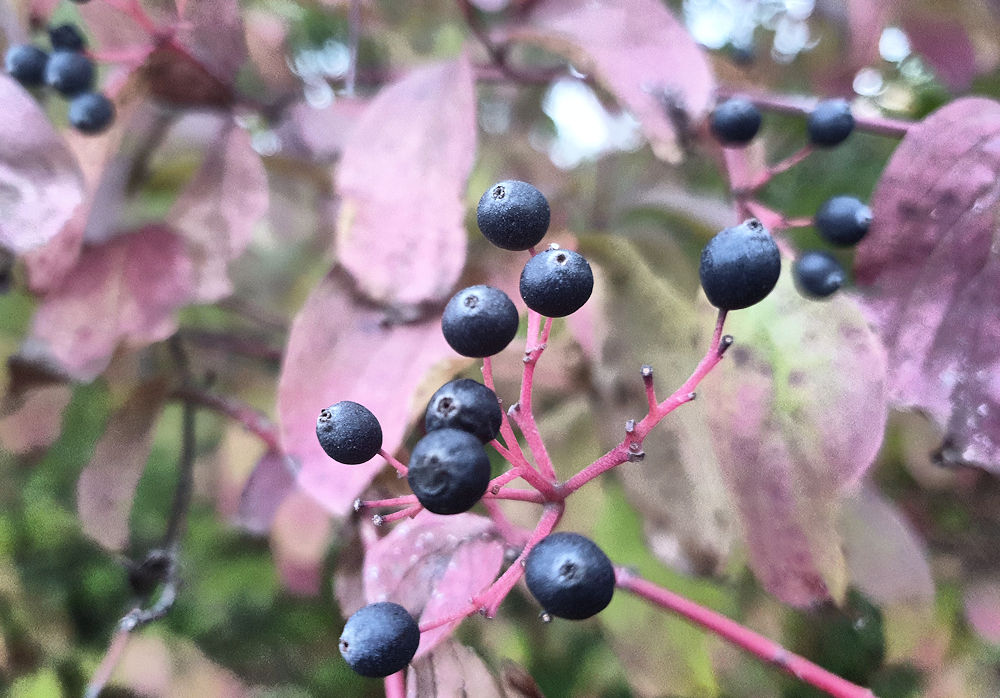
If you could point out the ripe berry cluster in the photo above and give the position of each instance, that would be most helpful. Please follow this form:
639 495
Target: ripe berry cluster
842 221
68 71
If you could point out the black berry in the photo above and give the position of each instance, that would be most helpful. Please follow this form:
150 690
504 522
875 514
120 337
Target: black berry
349 432
740 266
817 274
479 321
513 215
69 73
91 112
556 282
735 121
830 123
380 639
66 37
843 220
467 405
449 471
569 576
26 64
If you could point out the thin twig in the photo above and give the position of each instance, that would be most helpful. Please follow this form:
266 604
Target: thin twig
353 40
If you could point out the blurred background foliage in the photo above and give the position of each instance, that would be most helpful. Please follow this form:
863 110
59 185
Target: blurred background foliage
236 629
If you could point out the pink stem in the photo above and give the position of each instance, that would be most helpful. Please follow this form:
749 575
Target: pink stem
501 480
395 685
116 648
514 453
405 500
407 513
731 631
517 495
522 412
630 447
783 166
400 468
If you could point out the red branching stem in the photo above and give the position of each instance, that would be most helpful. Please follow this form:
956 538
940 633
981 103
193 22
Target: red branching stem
132 56
513 454
395 685
113 655
404 501
801 106
502 479
522 412
400 468
647 381
407 513
783 166
517 495
630 447
511 533
731 631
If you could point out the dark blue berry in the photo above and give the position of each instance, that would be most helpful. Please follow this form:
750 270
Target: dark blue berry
349 432
467 405
91 112
740 266
479 321
513 215
843 220
817 274
26 64
69 73
449 471
66 37
556 283
735 122
569 576
380 639
830 123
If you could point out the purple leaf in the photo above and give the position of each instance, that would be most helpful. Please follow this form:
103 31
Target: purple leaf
300 539
107 484
886 559
451 670
945 44
929 268
41 181
340 349
121 292
640 53
792 435
433 566
36 420
217 211
402 179
265 490
212 33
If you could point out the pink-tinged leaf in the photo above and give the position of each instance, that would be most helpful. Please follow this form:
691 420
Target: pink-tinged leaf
930 270
451 670
269 483
41 181
945 44
886 559
982 609
866 20
325 132
37 420
212 33
793 436
124 292
641 53
342 349
433 566
300 538
402 180
217 211
107 484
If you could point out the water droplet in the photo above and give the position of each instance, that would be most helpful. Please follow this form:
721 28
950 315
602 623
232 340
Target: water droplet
545 617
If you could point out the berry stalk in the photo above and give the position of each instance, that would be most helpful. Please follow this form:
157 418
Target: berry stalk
729 630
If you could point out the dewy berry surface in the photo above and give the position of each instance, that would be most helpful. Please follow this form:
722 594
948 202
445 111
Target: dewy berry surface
91 112
735 121
379 639
349 432
830 123
843 220
449 471
479 321
556 283
817 274
740 266
570 576
467 405
69 73
26 64
513 215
